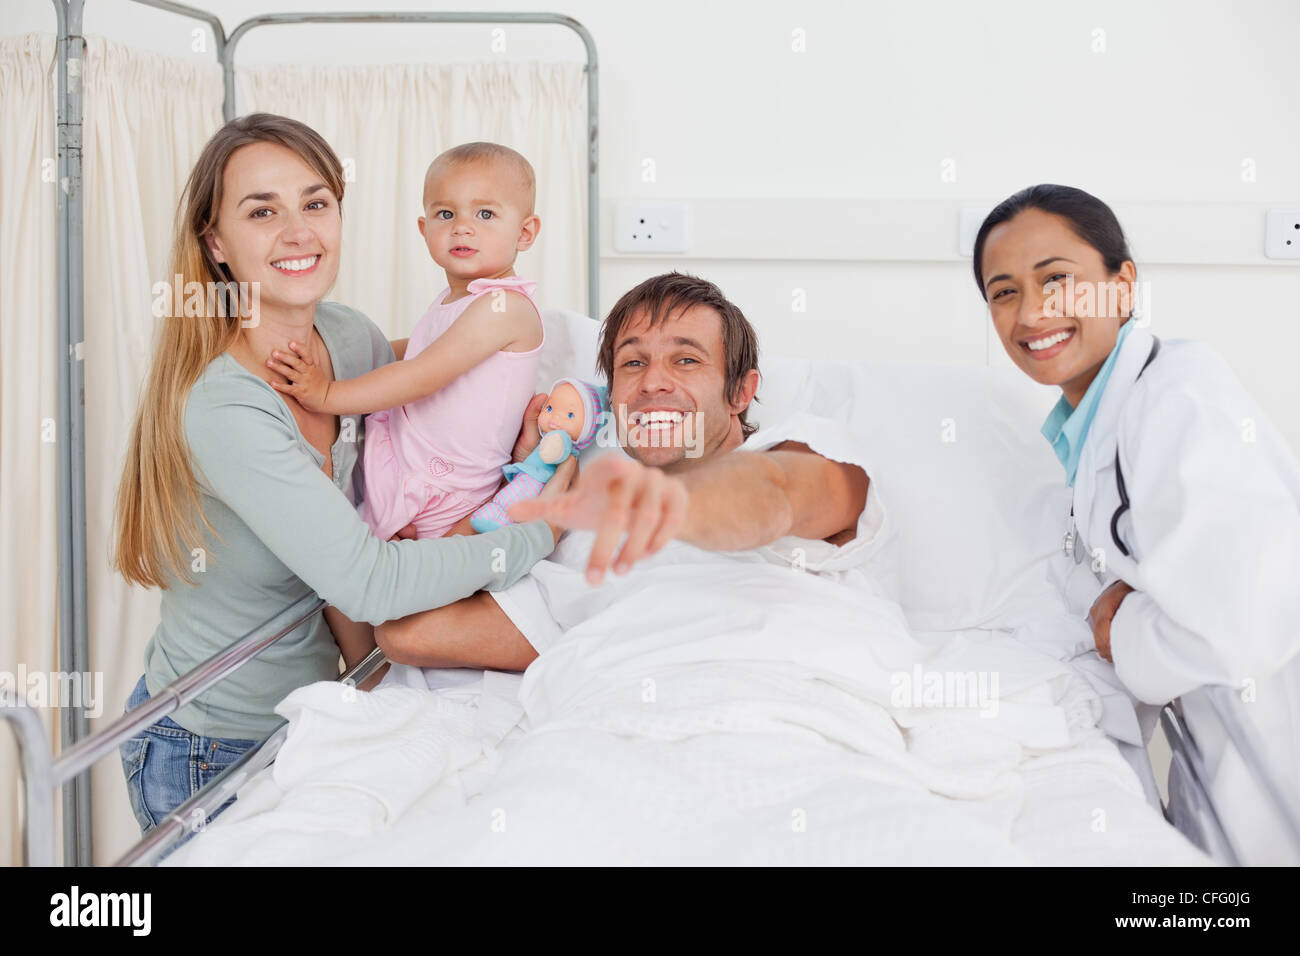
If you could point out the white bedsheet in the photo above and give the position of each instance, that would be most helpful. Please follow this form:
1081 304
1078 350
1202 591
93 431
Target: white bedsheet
759 716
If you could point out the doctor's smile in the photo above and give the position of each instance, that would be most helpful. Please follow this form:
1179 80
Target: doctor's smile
1049 344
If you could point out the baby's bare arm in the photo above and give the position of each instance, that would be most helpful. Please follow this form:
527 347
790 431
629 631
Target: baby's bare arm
473 338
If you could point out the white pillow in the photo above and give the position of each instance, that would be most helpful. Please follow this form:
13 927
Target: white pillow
976 494
569 350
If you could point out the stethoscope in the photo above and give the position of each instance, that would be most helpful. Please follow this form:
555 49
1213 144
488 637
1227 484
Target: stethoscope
1074 548
1071 546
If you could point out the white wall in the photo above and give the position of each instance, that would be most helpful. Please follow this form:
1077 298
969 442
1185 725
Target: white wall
1007 93
838 152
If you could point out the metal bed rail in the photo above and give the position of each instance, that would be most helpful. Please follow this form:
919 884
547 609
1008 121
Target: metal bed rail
192 815
43 775
73 640
1205 824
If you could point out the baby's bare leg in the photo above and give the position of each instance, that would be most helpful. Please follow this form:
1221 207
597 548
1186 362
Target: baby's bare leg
460 527
463 526
355 641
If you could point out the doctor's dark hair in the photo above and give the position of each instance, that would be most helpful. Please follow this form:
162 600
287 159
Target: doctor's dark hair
1090 219
663 295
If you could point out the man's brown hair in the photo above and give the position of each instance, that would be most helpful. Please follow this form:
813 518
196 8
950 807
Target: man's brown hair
665 294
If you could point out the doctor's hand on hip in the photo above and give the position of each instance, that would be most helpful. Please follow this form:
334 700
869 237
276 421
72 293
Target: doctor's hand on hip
615 495
1103 612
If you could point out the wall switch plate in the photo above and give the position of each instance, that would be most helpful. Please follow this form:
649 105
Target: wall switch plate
652 227
968 227
1282 234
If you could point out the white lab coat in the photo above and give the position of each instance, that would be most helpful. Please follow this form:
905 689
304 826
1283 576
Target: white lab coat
1213 532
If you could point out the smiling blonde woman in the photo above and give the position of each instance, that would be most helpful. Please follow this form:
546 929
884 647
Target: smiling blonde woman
236 501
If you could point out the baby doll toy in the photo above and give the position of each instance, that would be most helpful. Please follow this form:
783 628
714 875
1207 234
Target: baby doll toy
568 424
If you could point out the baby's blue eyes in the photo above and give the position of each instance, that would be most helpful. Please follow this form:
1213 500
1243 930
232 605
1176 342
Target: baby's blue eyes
485 214
570 414
549 409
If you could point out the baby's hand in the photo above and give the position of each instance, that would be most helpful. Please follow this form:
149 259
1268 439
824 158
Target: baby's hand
307 383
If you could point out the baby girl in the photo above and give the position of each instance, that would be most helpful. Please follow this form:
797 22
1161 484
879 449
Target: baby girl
446 415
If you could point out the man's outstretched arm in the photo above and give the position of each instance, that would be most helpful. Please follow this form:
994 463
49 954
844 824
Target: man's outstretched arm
747 499
740 500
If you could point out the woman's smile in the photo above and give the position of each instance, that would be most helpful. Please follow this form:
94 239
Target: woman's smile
300 266
1048 344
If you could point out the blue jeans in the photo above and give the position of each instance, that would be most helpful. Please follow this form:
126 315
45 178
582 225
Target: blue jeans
165 765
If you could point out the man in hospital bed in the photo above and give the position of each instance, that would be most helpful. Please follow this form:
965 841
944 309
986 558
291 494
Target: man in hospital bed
747 691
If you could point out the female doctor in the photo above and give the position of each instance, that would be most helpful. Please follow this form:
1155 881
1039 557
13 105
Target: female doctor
1183 544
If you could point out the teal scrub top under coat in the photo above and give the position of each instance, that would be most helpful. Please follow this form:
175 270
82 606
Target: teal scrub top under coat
1066 428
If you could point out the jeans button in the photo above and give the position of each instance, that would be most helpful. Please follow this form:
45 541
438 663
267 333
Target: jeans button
203 766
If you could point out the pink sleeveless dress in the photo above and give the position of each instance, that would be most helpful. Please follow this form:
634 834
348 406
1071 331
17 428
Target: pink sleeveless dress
435 460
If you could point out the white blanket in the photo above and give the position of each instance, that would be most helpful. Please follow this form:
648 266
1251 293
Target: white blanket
710 709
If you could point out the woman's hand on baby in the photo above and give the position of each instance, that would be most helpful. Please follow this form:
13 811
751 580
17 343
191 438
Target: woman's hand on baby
528 436
615 495
307 383
1103 612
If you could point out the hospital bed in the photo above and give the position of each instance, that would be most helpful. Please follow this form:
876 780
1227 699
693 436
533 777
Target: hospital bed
992 412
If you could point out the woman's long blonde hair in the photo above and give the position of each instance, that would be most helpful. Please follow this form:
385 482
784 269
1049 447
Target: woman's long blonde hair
158 506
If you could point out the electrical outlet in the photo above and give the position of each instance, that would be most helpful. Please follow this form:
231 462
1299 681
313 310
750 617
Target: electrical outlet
652 227
1282 234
